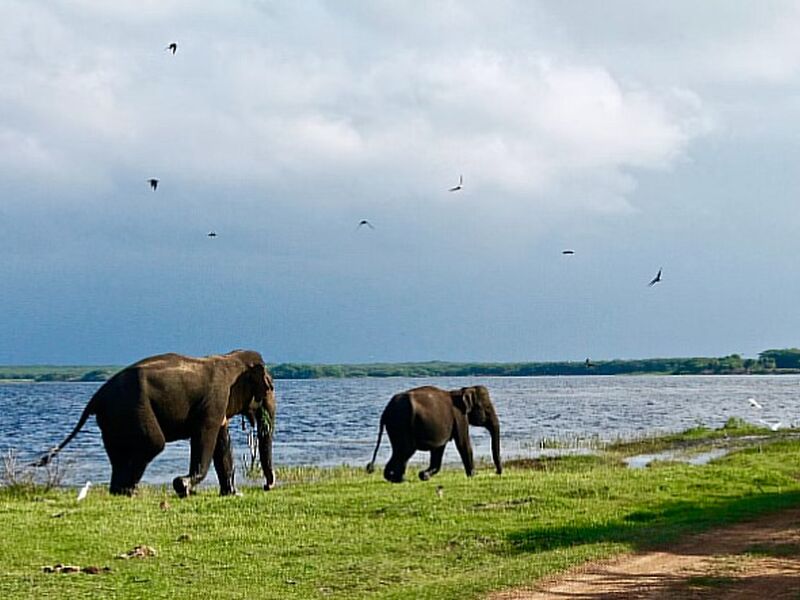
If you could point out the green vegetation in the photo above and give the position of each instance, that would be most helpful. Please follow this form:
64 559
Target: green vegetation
733 364
697 437
339 533
56 373
768 362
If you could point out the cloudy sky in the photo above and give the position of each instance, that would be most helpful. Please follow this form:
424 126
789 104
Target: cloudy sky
641 135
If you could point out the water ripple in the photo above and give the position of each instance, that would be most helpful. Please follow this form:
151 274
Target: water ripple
335 421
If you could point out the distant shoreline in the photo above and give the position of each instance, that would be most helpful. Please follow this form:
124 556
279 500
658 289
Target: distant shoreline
769 362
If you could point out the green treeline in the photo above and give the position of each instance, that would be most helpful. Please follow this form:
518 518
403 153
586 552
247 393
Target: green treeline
56 373
768 362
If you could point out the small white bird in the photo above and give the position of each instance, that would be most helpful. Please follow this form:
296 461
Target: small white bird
460 185
754 403
772 426
84 491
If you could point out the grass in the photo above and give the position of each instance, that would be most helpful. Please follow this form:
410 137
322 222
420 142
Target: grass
696 437
339 533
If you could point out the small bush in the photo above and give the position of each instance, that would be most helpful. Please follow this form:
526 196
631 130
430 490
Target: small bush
27 480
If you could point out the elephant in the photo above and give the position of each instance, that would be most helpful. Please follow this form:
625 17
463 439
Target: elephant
426 418
172 397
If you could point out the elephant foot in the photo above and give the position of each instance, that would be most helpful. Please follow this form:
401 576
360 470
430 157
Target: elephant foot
424 475
117 491
229 491
181 486
270 481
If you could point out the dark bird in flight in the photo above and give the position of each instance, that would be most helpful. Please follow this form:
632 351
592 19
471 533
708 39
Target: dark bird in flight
365 222
173 47
459 186
655 279
153 183
589 364
212 234
568 252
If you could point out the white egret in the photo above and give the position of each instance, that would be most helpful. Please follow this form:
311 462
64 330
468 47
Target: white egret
84 491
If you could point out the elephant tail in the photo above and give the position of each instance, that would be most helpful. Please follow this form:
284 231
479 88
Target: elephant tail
89 410
371 465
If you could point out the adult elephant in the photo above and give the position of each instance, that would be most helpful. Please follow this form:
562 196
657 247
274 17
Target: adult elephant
426 418
173 397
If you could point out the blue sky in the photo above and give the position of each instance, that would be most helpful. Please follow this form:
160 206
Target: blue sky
640 135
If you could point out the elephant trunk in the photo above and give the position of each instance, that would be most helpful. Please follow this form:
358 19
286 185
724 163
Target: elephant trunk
266 431
494 430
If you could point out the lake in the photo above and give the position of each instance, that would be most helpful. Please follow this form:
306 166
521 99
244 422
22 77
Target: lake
328 422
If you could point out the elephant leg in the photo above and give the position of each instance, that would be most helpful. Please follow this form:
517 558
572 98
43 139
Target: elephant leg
126 474
121 479
202 450
129 462
435 466
396 467
223 462
465 451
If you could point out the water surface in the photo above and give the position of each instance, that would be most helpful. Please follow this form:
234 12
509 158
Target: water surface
335 421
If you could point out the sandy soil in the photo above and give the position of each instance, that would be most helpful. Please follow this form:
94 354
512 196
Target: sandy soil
752 560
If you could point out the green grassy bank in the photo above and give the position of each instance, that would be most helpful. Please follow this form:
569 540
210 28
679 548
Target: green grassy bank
339 533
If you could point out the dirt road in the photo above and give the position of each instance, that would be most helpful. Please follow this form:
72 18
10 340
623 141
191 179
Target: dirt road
753 560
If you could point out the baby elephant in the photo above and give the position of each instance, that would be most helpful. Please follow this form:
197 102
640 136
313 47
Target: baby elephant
426 418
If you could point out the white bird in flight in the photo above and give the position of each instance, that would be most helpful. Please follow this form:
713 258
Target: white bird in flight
84 491
754 403
772 426
459 186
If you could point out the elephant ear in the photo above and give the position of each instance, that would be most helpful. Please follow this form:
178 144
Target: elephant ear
464 399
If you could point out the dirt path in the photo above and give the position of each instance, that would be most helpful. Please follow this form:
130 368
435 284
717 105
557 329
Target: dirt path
753 560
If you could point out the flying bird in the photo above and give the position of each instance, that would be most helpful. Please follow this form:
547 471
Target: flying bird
153 183
655 279
84 491
568 252
459 186
772 426
754 403
173 47
365 222
212 234
589 364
